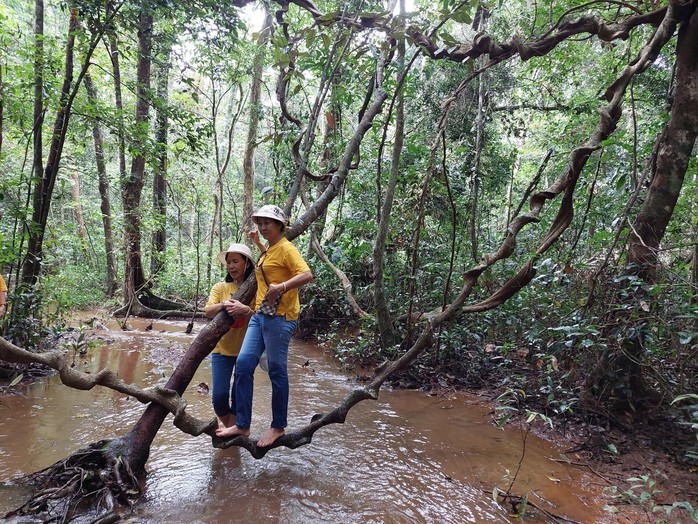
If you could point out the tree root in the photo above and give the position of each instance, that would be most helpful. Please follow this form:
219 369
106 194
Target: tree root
94 477
146 304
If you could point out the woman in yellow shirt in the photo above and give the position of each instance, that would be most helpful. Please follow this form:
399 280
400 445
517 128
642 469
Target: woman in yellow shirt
239 263
280 271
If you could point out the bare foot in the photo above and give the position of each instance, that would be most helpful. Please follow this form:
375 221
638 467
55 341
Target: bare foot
233 431
269 437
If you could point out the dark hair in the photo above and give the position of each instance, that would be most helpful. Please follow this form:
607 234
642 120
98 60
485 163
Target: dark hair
249 268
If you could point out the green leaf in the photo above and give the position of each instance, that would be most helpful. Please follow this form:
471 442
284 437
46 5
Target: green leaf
326 40
16 380
462 15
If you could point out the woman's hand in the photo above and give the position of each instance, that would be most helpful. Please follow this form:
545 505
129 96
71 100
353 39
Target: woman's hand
273 292
235 308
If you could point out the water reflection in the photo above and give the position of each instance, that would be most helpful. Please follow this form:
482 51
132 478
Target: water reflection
409 457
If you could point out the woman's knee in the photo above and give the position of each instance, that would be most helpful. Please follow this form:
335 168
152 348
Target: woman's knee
278 371
246 363
221 404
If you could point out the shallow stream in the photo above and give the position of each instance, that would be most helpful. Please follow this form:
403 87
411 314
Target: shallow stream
408 457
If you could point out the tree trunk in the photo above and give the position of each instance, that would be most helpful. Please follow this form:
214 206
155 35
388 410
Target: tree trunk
132 186
658 207
385 323
159 238
46 179
672 158
118 103
2 105
255 111
31 263
105 203
80 220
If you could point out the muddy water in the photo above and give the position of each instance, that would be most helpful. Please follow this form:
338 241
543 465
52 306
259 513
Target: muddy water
409 457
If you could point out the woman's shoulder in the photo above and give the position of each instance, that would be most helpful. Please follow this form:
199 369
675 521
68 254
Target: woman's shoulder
286 245
224 286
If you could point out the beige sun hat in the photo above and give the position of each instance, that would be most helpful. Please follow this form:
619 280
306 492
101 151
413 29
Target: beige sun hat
236 248
271 211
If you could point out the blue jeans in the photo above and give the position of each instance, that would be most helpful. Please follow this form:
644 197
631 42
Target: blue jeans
272 334
222 392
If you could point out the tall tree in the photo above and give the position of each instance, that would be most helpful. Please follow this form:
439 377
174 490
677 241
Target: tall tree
255 107
132 184
103 185
673 156
675 150
44 184
45 179
157 258
38 158
386 329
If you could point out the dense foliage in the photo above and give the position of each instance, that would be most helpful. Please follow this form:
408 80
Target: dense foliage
560 341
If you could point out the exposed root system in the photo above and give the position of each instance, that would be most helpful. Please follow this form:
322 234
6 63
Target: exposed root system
94 479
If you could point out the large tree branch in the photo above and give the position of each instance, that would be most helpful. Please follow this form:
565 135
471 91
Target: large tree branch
351 149
483 43
167 398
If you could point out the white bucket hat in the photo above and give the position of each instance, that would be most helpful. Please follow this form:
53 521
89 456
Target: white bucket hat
236 248
271 211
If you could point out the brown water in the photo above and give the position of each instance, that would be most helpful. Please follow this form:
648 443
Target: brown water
409 457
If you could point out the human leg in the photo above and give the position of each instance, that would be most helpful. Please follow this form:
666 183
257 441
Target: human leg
276 339
252 348
222 392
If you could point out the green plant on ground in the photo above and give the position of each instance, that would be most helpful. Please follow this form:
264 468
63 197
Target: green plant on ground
512 402
78 344
692 415
643 493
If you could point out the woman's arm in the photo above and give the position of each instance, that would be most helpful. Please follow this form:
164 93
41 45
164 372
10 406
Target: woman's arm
3 303
294 282
216 300
254 236
212 310
236 308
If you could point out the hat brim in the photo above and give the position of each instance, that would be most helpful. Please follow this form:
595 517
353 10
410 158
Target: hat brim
223 254
268 214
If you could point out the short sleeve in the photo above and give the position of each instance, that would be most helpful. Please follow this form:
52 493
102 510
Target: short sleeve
294 261
216 295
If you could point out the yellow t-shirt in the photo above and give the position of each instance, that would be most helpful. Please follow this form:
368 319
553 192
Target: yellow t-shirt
281 262
230 344
3 286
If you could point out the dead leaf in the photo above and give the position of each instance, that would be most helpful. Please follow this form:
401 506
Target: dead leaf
553 362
